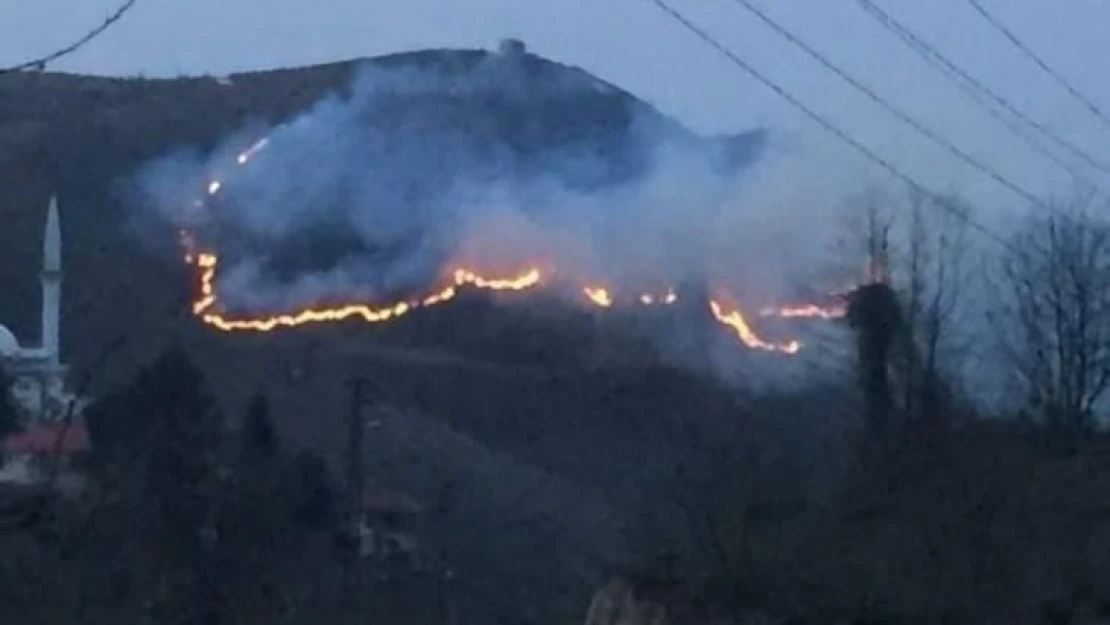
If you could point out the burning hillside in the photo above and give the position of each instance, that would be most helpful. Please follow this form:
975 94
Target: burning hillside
414 186
207 306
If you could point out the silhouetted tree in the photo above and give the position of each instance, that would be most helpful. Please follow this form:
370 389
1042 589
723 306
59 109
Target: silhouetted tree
875 315
936 277
256 525
910 346
1057 313
924 262
161 438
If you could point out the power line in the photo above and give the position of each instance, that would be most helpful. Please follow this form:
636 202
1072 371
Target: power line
41 62
1014 39
940 200
862 88
970 85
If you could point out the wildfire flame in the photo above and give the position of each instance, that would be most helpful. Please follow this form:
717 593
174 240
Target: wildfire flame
206 307
203 307
735 319
598 296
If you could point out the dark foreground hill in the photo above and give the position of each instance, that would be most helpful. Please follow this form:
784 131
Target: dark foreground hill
502 402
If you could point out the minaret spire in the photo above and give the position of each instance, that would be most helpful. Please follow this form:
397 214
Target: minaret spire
51 283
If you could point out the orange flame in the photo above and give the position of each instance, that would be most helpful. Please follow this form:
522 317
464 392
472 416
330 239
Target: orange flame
207 265
204 304
735 320
599 296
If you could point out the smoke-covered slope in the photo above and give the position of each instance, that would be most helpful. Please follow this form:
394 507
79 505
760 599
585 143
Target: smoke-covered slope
85 138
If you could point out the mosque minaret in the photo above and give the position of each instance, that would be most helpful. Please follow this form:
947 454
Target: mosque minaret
37 372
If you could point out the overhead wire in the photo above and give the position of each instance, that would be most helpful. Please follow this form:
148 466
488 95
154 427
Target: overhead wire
976 90
951 70
41 62
938 199
886 104
1020 45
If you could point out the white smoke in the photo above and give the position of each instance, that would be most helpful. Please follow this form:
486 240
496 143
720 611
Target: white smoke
378 191
397 171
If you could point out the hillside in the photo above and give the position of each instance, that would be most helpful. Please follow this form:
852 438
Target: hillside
83 138
509 398
566 450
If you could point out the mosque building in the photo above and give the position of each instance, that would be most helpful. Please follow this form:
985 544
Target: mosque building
51 425
36 371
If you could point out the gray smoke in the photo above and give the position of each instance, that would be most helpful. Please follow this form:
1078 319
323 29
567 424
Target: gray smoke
377 191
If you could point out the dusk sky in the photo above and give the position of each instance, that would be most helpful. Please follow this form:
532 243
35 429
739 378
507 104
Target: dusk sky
634 45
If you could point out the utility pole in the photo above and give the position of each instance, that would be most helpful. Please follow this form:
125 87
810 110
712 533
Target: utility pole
444 574
445 579
355 490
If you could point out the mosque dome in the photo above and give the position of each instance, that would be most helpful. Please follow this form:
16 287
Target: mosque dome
8 344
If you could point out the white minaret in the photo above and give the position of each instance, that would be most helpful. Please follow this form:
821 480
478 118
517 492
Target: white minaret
51 284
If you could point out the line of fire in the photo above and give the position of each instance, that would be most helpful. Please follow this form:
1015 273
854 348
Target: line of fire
723 308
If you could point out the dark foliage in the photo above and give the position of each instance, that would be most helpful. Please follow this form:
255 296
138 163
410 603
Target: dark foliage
876 316
169 463
184 531
259 436
315 493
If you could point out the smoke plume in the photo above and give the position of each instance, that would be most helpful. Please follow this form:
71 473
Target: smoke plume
379 191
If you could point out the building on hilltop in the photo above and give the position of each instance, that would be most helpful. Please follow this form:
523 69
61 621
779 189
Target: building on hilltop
513 48
37 373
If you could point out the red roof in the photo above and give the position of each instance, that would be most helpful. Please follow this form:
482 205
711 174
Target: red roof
45 438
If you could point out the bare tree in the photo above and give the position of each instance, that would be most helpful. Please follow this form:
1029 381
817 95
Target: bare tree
41 62
1055 313
920 250
865 232
936 269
